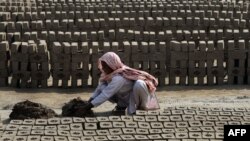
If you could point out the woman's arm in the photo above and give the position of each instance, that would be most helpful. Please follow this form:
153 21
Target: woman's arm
99 89
113 87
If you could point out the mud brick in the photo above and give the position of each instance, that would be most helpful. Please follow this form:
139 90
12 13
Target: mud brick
156 125
163 118
20 138
168 136
212 118
127 137
234 123
141 112
88 138
63 133
246 113
54 121
76 126
225 113
60 138
165 112
201 118
140 137
102 132
89 132
155 136
105 125
195 123
41 122
219 129
12 127
150 118
208 123
16 122
237 114
213 113
116 131
221 123
91 119
176 118
208 135
63 127
78 120
155 131
142 131
50 132
168 130
74 138
138 118
90 126
126 118
33 138
37 132
100 138
29 122
181 135
182 124
24 127
246 118
6 138
102 119
201 113
177 112
117 124
187 117
194 129
236 118
169 124
195 135
50 127
207 129
181 130
131 124
38 127
66 120
114 118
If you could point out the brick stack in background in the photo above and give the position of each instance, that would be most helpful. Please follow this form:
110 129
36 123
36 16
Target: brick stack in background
60 59
215 62
19 64
4 63
178 63
236 53
39 64
80 64
196 62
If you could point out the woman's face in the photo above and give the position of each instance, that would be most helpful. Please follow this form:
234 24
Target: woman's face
106 68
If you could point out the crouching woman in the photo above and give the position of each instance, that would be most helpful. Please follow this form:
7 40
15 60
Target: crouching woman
129 88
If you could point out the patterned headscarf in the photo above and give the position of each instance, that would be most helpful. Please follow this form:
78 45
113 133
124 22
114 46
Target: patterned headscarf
115 63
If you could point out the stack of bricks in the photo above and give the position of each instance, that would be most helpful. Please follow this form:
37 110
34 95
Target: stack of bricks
196 62
60 58
4 63
236 53
178 63
157 61
96 53
19 64
215 62
139 55
39 64
80 64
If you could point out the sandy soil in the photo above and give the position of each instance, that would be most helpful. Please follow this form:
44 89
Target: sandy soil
215 96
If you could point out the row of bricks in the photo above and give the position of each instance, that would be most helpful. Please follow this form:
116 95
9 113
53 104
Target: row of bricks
152 137
19 16
139 5
95 25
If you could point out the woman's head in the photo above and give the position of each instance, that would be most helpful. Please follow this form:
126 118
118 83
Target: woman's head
110 62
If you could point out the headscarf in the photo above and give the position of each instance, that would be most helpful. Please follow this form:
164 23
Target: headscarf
115 63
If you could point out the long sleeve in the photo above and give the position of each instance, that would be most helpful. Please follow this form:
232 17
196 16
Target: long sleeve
99 89
113 87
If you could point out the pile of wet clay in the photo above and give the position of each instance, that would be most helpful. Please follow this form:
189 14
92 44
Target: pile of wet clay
76 108
31 110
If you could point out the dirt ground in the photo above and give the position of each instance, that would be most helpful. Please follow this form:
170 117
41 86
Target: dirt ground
215 96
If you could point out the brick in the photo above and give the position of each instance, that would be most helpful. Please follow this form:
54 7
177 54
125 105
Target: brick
37 132
41 122
126 118
169 124
23 133
20 138
12 127
25 127
60 138
100 138
33 138
89 138
54 121
90 126
63 133
140 137
63 127
50 132
76 126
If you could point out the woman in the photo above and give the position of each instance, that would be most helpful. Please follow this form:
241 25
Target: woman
129 88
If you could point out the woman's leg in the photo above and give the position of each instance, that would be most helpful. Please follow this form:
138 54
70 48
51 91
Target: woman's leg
140 93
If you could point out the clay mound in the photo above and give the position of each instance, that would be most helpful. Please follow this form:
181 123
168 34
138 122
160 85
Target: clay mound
74 108
28 110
